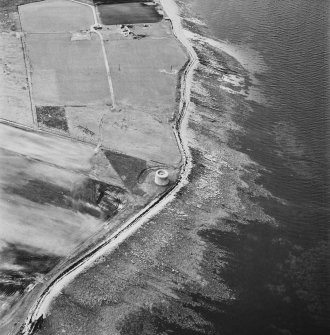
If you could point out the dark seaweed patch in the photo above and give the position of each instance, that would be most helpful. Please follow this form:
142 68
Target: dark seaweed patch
52 117
159 320
276 291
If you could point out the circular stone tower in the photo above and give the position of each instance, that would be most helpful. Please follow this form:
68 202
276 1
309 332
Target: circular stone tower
161 177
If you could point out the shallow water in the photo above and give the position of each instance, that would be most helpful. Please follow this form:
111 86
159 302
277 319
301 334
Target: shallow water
284 47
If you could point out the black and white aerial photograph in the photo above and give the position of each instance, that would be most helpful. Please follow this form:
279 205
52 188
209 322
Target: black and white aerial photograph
164 167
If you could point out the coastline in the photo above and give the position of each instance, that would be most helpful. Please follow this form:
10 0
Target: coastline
165 254
205 257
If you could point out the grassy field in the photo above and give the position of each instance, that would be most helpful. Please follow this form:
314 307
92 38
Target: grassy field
14 92
130 130
55 17
66 72
144 72
15 102
72 74
11 5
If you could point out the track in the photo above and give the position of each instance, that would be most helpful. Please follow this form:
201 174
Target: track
58 282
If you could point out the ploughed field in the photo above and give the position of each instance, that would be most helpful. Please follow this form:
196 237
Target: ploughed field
125 13
86 119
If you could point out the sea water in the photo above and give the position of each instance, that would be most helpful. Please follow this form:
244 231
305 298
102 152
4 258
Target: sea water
285 47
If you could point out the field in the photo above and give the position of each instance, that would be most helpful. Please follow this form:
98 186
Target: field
130 130
144 72
70 89
55 17
67 72
15 102
128 13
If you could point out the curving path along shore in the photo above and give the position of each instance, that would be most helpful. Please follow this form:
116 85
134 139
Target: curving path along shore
62 279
